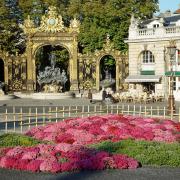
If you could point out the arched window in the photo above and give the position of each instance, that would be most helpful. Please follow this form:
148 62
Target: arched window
147 57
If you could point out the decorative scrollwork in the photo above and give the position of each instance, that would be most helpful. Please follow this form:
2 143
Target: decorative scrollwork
16 62
10 76
109 45
88 84
16 71
94 75
17 85
52 22
28 26
74 25
23 76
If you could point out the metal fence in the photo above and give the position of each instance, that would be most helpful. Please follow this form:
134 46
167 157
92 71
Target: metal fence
20 119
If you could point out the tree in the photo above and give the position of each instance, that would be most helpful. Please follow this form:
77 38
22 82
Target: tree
34 8
101 17
10 33
14 10
98 18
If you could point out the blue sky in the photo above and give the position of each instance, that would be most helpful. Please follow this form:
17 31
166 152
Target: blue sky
169 4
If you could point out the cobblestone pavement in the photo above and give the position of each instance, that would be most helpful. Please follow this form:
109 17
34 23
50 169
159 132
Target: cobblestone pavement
144 173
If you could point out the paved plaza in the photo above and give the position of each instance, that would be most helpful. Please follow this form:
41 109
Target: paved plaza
72 102
143 173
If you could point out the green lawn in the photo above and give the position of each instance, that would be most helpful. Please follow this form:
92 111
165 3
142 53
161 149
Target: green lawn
146 152
12 140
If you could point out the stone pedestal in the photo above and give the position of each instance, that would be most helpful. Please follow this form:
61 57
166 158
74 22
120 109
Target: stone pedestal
30 85
74 86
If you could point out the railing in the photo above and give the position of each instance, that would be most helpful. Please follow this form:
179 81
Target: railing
161 32
172 30
21 119
146 32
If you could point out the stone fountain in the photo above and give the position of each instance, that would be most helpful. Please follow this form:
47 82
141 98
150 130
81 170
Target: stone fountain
50 82
108 81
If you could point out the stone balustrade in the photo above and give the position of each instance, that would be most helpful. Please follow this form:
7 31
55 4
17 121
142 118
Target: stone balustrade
160 32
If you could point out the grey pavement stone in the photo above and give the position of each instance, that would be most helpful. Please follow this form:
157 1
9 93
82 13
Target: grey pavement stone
144 173
71 101
35 102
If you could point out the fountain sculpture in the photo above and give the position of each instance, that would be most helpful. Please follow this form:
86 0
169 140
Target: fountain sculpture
50 83
51 80
108 81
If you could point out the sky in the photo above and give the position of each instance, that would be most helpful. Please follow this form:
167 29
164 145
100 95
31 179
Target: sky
169 5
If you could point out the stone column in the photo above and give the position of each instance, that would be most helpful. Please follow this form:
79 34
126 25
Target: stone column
6 72
30 78
97 74
117 74
74 65
9 61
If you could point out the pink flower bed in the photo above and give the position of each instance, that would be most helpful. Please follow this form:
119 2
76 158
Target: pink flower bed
62 157
82 131
70 137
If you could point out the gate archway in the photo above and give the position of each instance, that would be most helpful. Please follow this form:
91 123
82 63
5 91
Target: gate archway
2 70
108 50
52 62
51 32
118 63
89 67
107 72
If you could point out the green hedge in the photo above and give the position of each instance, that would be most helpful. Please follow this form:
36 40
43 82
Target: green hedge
147 153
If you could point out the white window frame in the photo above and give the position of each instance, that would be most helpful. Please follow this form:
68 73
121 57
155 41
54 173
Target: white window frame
147 57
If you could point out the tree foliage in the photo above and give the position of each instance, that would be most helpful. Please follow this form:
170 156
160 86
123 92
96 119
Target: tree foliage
101 17
98 18
10 33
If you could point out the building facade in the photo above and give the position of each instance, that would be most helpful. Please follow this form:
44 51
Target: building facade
149 60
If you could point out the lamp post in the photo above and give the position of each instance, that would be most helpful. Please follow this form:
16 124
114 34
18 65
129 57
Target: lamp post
171 101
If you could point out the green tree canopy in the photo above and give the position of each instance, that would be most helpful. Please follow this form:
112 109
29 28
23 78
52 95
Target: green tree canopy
10 33
98 18
101 17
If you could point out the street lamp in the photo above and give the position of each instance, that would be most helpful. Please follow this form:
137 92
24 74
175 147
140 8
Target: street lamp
171 101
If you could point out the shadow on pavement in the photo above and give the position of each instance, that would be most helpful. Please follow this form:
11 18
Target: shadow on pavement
144 173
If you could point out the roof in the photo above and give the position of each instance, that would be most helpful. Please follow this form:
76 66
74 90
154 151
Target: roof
177 11
168 21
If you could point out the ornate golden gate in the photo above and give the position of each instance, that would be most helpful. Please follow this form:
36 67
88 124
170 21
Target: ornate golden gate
51 32
89 67
20 70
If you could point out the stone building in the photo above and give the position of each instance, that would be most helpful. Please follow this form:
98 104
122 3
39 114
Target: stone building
149 61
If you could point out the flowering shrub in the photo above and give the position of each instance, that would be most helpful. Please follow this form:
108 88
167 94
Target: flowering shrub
70 137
